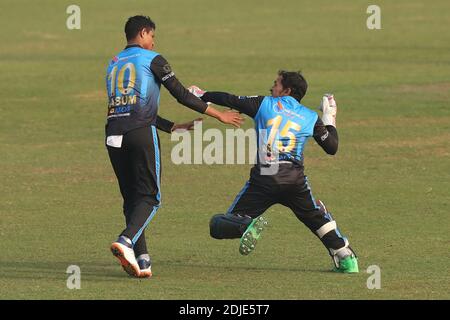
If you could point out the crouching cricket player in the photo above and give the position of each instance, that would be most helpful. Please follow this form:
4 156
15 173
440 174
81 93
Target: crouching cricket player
283 126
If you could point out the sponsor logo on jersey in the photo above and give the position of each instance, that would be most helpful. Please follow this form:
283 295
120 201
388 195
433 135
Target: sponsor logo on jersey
324 137
114 59
129 57
279 108
167 76
167 68
118 110
122 100
246 97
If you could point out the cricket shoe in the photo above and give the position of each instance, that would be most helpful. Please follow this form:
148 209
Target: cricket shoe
122 249
145 267
251 235
348 264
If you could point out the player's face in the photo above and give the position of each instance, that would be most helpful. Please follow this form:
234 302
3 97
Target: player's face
277 89
148 38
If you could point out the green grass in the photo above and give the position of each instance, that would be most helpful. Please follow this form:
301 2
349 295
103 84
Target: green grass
388 186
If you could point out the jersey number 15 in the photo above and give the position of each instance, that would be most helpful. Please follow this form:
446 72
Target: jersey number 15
285 135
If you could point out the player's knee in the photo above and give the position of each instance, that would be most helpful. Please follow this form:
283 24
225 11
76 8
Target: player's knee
228 226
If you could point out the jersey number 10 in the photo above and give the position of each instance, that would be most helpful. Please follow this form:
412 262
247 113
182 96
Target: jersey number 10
121 79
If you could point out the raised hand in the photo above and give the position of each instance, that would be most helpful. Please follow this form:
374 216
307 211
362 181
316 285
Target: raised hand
329 110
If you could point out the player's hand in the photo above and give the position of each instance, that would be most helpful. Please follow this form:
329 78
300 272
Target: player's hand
196 91
329 110
231 117
186 126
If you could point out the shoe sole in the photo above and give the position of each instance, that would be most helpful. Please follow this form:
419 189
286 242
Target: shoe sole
251 236
355 269
132 270
145 274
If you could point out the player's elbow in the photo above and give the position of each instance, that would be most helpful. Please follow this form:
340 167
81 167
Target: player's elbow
332 151
180 99
185 102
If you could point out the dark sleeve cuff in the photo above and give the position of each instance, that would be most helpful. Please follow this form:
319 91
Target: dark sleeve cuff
164 124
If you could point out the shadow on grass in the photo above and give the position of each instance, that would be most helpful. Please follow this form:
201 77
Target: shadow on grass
223 268
107 272
41 270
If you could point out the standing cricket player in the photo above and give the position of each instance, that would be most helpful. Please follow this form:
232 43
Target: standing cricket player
283 126
133 81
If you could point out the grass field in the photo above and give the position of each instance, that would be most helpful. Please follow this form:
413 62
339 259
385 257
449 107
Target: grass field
388 186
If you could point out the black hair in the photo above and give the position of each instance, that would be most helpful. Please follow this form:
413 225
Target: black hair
135 24
295 81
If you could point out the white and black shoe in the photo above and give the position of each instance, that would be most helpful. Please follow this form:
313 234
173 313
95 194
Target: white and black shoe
145 266
122 249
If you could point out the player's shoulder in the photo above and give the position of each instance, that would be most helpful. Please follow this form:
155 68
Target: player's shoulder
268 100
113 61
276 104
139 52
299 108
308 109
309 113
150 54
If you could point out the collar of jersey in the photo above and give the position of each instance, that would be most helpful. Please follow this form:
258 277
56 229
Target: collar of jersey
133 46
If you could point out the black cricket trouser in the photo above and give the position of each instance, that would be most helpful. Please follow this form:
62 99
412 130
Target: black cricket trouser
137 166
256 197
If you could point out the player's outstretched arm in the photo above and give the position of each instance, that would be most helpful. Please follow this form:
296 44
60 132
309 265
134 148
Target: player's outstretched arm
325 132
163 72
245 104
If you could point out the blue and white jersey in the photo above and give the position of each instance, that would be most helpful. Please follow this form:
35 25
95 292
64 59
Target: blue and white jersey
283 126
133 92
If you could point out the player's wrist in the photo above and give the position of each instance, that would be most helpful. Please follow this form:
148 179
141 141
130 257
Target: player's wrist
329 120
212 112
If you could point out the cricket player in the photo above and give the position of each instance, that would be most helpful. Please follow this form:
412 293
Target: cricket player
283 126
133 80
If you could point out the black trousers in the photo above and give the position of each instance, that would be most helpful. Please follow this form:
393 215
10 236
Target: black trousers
261 192
137 166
